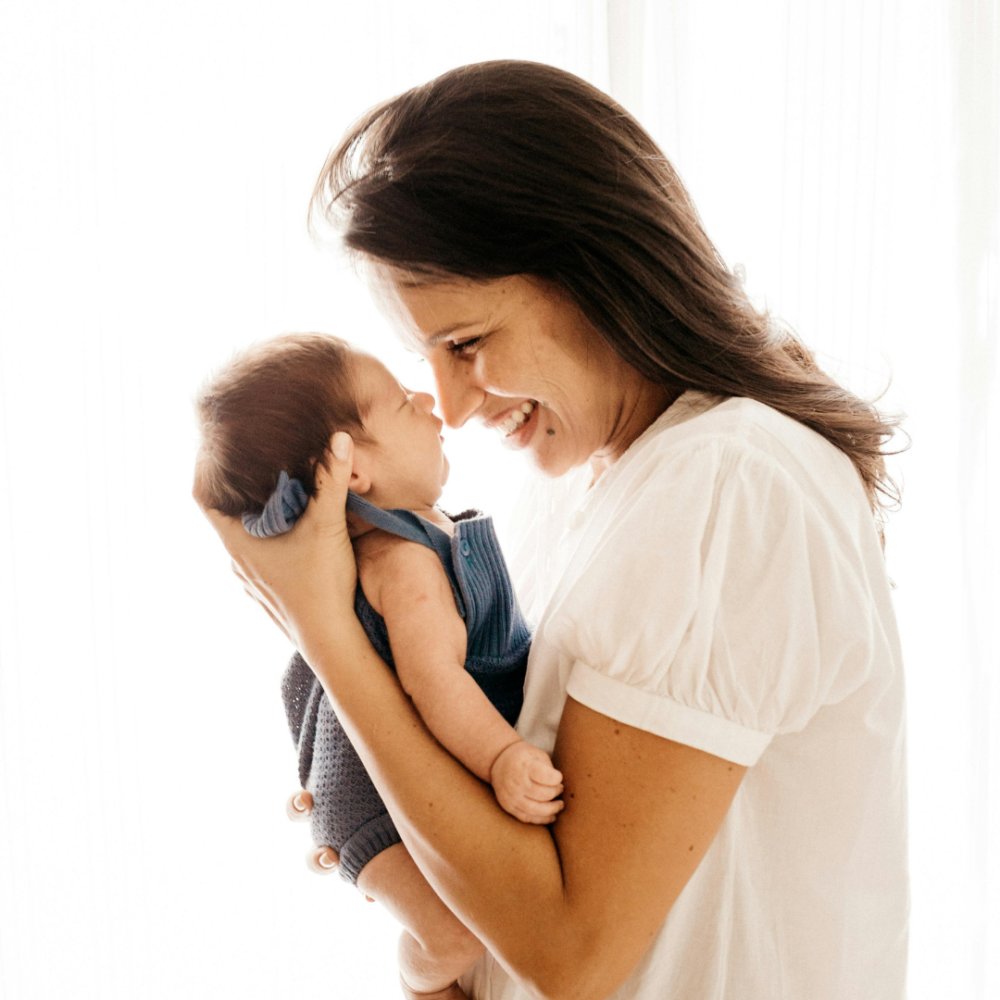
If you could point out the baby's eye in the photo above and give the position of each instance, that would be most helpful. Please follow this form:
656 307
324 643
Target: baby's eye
464 348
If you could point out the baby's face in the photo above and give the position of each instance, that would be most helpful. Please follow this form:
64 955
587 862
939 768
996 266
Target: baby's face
404 466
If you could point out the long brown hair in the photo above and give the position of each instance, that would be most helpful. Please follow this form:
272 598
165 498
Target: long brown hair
506 167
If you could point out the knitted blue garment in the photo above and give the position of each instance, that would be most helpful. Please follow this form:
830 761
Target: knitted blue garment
348 813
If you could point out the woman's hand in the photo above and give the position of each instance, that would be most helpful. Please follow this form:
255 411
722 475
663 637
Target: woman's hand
309 574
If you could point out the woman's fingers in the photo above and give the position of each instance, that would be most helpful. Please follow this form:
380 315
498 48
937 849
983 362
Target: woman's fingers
270 614
234 536
303 575
333 478
255 596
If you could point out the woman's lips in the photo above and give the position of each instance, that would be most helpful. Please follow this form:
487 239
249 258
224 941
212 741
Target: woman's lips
517 426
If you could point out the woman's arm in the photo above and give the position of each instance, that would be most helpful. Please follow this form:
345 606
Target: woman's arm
568 910
567 913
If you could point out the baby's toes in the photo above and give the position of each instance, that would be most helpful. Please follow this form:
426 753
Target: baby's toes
299 806
322 860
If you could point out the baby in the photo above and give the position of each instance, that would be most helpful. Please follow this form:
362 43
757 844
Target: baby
433 596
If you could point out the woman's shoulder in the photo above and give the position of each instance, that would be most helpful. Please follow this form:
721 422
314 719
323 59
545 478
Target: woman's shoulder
736 436
737 422
706 460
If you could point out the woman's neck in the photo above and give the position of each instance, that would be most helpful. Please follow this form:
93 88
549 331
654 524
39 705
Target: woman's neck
642 403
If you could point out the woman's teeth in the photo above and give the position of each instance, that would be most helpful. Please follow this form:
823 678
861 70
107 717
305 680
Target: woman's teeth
517 418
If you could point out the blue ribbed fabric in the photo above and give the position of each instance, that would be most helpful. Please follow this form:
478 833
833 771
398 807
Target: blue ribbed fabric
348 813
283 508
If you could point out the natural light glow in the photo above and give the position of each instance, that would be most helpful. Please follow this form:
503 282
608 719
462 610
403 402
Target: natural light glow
156 163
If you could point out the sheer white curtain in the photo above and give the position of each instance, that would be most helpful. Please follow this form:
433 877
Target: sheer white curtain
155 165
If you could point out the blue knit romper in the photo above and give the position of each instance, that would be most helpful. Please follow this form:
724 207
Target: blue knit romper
348 813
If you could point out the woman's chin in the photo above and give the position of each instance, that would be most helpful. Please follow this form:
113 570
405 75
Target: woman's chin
549 461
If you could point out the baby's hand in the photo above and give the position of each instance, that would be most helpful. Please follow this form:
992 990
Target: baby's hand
526 784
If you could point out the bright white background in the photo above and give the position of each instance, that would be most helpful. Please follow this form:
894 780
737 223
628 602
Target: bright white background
156 161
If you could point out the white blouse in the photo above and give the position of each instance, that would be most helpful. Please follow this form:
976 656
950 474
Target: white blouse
722 585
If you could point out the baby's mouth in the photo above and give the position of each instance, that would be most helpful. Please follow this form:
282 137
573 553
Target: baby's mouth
517 419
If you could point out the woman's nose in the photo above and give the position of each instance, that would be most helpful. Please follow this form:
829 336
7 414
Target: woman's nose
459 397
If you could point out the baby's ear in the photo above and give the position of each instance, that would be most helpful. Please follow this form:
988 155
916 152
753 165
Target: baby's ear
362 468
360 477
361 482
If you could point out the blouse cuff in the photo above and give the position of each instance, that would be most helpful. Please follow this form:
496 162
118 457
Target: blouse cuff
665 717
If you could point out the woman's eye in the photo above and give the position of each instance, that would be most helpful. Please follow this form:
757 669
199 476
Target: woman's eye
463 348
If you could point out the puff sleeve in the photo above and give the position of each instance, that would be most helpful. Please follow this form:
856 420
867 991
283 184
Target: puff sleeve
719 606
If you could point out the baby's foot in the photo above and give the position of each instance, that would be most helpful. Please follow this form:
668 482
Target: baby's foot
452 992
322 860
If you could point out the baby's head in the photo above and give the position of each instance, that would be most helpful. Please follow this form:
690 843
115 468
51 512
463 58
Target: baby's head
274 408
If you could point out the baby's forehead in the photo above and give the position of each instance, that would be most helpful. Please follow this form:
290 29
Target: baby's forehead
375 383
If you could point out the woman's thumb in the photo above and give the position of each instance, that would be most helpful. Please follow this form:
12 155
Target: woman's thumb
333 474
342 447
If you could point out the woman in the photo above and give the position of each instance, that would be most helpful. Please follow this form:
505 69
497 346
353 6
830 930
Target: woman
715 666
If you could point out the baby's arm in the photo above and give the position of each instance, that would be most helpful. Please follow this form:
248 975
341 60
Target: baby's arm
408 586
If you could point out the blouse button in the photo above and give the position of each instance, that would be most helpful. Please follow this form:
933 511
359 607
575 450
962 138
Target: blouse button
465 548
575 520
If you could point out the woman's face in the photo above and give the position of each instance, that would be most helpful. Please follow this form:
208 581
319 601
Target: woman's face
518 354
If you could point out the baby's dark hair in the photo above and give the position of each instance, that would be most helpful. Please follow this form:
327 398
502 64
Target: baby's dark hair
273 408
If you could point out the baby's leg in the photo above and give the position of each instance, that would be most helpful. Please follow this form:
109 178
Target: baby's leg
436 947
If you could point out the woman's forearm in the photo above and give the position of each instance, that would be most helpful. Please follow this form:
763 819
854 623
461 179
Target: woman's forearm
502 877
568 909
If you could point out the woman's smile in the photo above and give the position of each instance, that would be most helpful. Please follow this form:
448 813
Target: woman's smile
518 354
516 425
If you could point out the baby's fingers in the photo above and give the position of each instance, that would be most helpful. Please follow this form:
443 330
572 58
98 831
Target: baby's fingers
540 813
543 793
543 773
